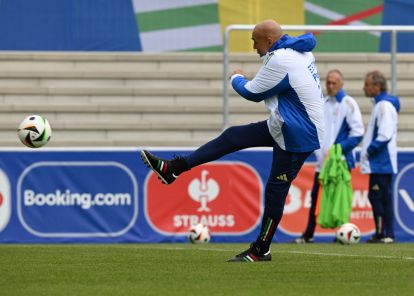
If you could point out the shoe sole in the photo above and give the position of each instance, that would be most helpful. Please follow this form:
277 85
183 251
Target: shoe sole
248 261
147 162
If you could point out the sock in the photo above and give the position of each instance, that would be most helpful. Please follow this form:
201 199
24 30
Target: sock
179 165
275 196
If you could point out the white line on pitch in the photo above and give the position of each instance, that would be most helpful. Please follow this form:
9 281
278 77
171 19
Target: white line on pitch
280 251
346 255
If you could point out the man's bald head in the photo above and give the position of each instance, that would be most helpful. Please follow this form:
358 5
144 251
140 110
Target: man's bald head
265 34
269 28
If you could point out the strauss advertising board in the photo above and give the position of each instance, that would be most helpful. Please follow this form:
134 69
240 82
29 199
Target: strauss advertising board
78 195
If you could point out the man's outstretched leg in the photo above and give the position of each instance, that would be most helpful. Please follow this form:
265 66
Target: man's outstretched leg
285 167
232 139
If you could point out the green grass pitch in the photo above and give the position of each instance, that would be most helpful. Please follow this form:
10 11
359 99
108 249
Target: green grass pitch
184 269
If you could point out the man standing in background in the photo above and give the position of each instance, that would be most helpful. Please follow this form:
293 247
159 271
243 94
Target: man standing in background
344 126
379 155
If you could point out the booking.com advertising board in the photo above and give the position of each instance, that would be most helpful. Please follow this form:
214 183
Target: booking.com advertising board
92 196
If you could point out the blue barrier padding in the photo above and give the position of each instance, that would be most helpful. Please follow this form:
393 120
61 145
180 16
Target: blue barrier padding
110 196
398 12
68 25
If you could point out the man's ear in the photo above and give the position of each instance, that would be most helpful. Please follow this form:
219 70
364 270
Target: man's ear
270 41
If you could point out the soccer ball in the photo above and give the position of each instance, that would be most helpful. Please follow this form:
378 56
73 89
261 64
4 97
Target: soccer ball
199 234
34 131
348 234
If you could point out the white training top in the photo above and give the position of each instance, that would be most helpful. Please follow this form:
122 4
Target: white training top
382 127
289 83
343 124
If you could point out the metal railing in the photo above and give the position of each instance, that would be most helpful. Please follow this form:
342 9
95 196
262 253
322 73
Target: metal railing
312 28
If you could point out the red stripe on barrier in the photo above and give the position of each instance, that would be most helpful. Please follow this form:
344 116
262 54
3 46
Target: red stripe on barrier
359 16
355 17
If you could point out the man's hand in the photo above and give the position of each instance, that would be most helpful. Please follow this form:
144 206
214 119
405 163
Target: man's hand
237 71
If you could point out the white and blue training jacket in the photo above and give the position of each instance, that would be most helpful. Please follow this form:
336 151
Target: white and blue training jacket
379 146
289 83
343 125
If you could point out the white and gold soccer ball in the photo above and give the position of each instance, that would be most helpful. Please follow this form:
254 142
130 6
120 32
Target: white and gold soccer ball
348 234
34 131
199 234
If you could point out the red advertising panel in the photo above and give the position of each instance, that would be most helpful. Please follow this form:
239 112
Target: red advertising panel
5 200
298 202
226 196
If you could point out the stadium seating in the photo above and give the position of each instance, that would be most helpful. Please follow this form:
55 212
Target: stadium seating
139 99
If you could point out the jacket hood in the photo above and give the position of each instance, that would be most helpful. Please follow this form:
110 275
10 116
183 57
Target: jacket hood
387 97
302 43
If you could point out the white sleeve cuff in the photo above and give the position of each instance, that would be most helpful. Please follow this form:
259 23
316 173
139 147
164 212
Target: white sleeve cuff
234 76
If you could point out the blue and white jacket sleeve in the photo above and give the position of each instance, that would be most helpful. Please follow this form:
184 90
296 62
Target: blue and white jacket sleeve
266 83
356 125
384 129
